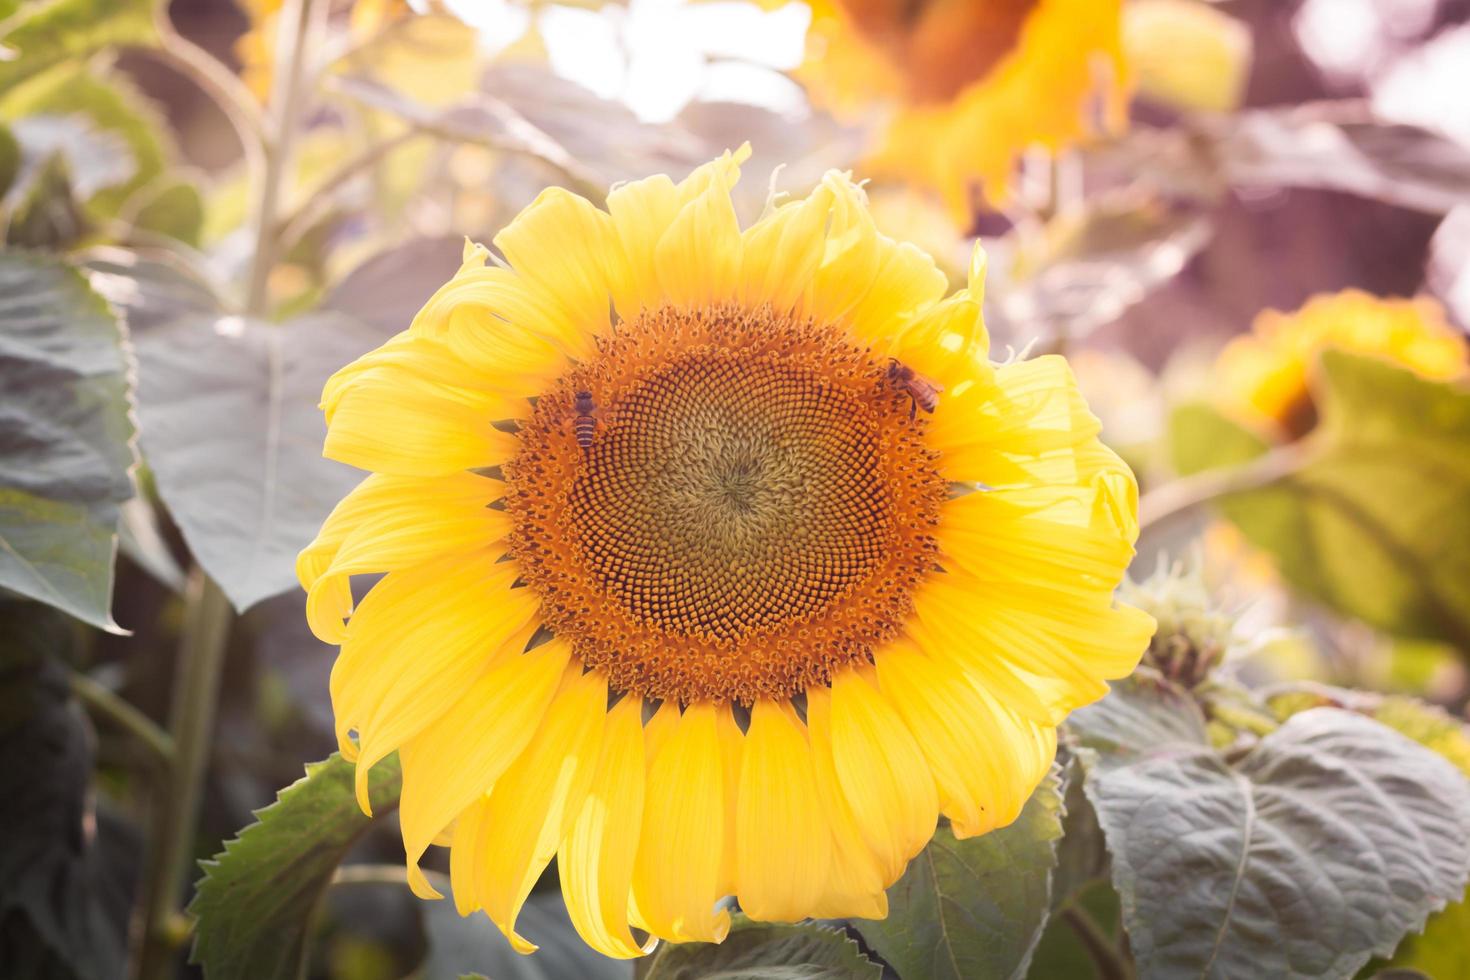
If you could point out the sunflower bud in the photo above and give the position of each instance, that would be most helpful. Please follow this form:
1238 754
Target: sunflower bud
1193 634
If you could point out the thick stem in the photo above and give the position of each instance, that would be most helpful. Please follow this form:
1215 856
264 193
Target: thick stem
107 704
191 719
300 22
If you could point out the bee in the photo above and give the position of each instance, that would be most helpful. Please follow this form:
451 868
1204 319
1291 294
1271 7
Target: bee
922 392
585 424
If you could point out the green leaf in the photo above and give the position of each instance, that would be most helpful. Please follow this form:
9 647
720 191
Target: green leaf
1200 438
230 425
1324 845
460 945
112 107
55 922
42 33
765 951
65 437
173 208
974 908
1140 714
254 904
9 159
48 216
1376 524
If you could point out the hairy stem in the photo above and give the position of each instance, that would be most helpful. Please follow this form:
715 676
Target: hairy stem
223 87
1182 496
1105 956
191 719
105 703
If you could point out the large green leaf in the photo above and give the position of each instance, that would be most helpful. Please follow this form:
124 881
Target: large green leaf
43 33
974 909
65 431
1341 146
460 945
255 902
765 951
1324 845
230 424
53 920
1377 523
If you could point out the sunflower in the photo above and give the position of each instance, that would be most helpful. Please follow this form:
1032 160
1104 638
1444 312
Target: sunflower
1264 375
686 586
975 83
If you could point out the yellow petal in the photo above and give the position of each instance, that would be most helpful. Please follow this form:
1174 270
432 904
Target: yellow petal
596 858
534 802
390 523
459 756
676 875
559 245
699 257
880 769
419 361
500 325
465 857
783 251
783 842
906 284
1002 429
641 212
986 760
732 748
855 883
850 258
394 421
417 640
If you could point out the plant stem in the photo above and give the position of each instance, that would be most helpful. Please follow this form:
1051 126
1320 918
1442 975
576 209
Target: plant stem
1105 956
191 719
384 874
104 702
208 615
230 94
300 21
1183 495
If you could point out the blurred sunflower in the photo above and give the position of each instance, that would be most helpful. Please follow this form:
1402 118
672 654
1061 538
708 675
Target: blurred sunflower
974 83
686 586
1264 376
430 57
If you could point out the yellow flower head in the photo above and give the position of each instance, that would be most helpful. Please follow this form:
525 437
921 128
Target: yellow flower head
1264 375
973 83
720 562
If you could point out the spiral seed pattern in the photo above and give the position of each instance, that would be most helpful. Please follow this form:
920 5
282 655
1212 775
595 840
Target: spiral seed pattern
752 512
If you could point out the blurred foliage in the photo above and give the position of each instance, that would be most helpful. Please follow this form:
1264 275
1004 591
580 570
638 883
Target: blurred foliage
1372 522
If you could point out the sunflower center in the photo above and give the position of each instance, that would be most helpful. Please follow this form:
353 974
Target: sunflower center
748 508
940 46
730 492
